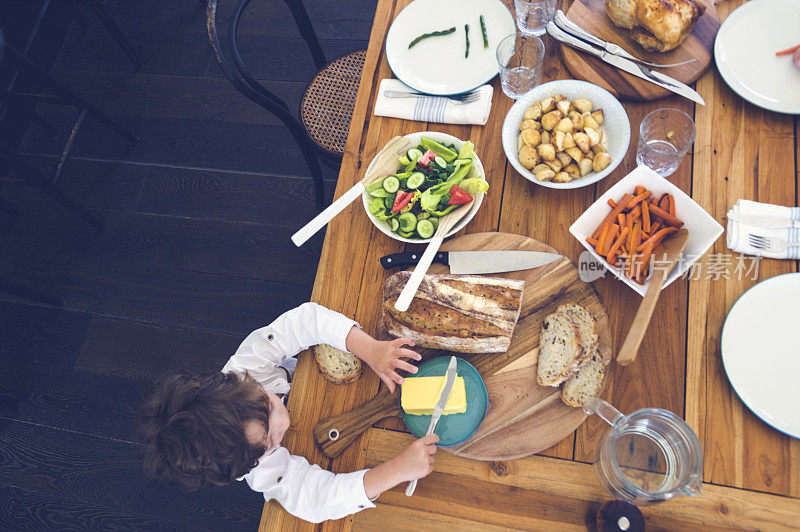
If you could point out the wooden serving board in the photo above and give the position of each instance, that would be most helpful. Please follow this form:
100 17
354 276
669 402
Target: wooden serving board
591 15
523 417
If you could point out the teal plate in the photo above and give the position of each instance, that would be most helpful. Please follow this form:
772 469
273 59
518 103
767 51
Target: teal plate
453 429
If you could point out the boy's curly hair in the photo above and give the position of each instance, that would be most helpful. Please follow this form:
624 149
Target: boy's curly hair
192 428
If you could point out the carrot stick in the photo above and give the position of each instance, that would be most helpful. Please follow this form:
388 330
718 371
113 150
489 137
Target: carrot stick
663 201
638 190
640 198
611 203
592 242
614 251
787 51
656 239
671 205
621 220
636 213
613 214
633 243
665 217
655 227
645 217
606 238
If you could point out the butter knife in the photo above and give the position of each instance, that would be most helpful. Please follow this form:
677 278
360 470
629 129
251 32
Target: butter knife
635 69
763 221
450 379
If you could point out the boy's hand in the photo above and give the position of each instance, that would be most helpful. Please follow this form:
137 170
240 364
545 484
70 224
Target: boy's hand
416 460
385 358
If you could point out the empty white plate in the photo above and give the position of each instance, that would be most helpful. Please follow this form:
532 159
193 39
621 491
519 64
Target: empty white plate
761 351
437 65
745 53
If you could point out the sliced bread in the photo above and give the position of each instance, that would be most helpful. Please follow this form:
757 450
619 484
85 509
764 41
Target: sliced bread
560 351
587 326
585 384
337 366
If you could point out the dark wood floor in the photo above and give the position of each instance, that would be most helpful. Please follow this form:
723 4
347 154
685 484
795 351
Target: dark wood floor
195 255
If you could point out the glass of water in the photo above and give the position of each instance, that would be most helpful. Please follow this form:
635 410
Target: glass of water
533 15
520 58
665 136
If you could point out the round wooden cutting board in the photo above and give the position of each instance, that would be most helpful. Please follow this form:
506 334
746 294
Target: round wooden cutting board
523 418
591 15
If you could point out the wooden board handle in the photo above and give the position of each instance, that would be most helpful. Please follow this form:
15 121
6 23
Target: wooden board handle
334 435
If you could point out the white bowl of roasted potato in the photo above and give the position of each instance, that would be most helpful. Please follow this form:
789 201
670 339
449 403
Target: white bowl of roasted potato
566 134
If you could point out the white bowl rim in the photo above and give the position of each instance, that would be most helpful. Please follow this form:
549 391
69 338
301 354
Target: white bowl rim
555 84
384 226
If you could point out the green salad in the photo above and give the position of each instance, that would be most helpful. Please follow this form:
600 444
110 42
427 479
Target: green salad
432 180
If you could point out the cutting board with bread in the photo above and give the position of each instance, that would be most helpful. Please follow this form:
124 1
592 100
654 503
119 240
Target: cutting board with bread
498 322
635 25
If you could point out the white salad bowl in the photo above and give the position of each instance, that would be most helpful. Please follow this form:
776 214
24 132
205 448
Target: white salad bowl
703 228
616 126
414 139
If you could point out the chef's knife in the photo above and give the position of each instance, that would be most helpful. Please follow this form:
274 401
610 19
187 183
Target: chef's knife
763 221
635 69
450 378
473 262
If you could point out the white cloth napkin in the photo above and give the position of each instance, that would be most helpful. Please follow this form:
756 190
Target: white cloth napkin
737 234
433 108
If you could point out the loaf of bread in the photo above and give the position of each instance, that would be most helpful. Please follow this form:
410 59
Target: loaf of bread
337 366
463 313
587 327
560 350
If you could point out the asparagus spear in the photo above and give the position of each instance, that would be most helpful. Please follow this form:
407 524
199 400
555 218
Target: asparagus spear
466 34
432 34
483 32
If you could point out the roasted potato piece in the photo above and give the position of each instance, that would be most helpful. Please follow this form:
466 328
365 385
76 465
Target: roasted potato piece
562 177
582 141
599 148
529 124
545 137
555 165
544 175
573 170
585 165
594 136
547 152
589 121
601 162
558 138
563 106
528 156
569 142
577 119
565 125
575 153
599 117
534 112
548 104
531 137
583 105
550 120
540 167
563 157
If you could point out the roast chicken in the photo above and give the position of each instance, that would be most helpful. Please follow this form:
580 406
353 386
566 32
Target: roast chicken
657 25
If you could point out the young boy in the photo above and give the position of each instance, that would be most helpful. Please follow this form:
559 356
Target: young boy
211 429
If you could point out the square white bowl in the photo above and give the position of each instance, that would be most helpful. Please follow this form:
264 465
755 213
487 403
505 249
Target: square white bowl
703 229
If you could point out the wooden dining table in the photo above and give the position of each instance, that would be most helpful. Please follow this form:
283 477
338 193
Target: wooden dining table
751 471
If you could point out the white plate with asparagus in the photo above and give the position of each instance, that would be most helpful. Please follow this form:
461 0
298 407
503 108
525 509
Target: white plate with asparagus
566 134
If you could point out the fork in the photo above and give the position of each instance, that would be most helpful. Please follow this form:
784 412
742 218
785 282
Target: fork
458 99
772 244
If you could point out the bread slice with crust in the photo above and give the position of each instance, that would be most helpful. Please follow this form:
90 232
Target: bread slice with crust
560 350
585 384
587 326
337 366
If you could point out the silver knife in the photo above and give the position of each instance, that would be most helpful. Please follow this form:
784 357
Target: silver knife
450 379
635 69
474 262
763 221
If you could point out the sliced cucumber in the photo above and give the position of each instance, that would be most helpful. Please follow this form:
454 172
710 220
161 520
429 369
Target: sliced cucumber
391 184
404 160
414 154
440 162
405 235
407 222
423 215
435 221
425 228
415 180
394 224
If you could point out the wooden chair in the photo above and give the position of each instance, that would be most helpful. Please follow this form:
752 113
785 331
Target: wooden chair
328 101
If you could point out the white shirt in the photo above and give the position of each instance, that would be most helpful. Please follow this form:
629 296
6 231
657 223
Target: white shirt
304 490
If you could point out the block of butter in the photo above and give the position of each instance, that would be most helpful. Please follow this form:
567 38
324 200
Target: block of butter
419 395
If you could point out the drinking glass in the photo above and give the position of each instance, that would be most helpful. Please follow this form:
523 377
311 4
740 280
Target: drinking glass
533 15
650 455
520 58
665 136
